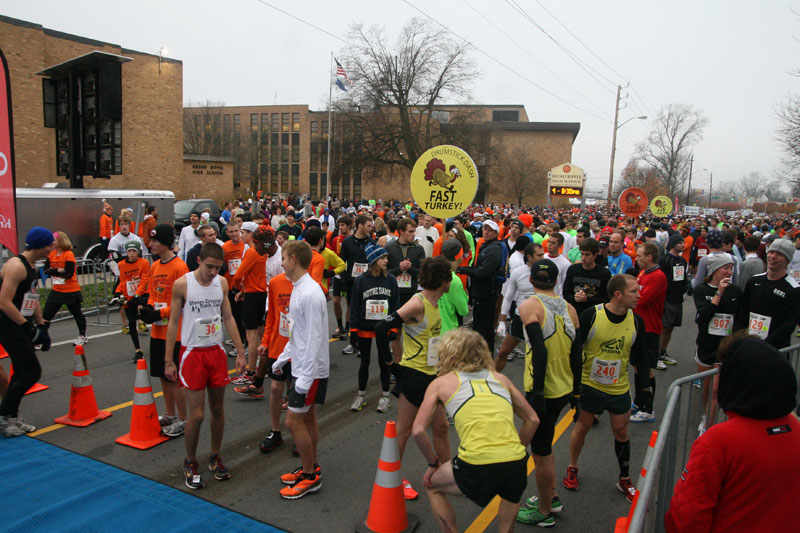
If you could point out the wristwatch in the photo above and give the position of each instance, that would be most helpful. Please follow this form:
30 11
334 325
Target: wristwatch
435 462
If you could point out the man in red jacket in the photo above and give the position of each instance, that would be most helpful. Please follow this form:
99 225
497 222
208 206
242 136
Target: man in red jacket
652 293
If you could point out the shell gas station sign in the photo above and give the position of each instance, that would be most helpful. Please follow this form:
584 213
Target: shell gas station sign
566 180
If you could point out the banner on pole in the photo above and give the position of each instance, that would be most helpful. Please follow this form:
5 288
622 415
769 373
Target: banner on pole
8 207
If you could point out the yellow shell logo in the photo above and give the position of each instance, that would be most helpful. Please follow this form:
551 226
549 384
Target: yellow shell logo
444 181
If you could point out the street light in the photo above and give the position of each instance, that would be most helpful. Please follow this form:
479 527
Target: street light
161 52
613 152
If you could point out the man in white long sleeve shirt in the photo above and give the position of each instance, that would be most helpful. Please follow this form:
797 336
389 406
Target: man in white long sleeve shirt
554 244
188 237
307 328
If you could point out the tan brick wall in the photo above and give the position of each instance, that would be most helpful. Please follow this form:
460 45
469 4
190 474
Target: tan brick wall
207 179
152 134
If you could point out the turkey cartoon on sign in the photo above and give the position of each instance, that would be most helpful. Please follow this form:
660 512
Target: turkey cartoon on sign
632 199
436 173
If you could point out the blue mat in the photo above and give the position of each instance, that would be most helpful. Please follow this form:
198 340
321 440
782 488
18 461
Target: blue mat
46 488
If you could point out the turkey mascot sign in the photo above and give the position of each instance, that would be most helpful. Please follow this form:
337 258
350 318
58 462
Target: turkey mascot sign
444 181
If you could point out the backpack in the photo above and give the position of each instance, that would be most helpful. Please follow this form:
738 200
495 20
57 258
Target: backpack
502 272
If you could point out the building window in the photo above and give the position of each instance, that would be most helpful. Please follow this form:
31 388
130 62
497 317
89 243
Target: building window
505 115
325 131
284 154
285 122
314 131
324 182
357 185
237 121
314 148
226 124
295 153
265 122
295 121
296 138
276 122
295 177
274 139
273 183
253 121
198 123
314 163
284 138
273 169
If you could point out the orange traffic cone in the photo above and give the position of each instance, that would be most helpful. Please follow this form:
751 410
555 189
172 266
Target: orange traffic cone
387 509
82 403
36 388
145 429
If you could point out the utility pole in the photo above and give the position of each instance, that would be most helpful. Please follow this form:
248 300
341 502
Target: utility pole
710 188
613 151
689 193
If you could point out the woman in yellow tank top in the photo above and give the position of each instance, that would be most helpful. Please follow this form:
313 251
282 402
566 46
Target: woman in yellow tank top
491 457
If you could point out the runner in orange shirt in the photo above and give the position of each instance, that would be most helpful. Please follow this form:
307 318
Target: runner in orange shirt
61 267
234 250
134 272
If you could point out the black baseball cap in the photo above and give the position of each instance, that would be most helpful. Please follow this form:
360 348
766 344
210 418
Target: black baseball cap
546 266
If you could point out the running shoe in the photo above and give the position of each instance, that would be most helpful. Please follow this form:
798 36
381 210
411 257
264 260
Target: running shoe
191 475
22 424
358 403
344 334
80 340
571 478
349 350
125 329
215 465
383 404
292 477
175 429
136 356
245 379
643 416
338 332
555 506
660 365
408 491
142 327
233 353
166 420
229 342
250 392
302 487
510 357
271 441
8 427
625 486
534 517
634 408
519 353
667 359
701 427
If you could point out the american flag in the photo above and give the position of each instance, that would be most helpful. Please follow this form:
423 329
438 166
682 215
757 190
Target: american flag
341 74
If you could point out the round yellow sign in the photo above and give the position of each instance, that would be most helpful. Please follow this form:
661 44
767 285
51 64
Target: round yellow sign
661 206
444 181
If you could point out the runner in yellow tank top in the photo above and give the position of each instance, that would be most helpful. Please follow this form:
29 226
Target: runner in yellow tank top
552 380
415 368
613 337
491 459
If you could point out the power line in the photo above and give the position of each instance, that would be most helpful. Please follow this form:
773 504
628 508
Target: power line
448 30
582 64
305 22
521 47
640 99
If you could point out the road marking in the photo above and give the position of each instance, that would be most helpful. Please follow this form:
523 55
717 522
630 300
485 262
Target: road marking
489 512
106 334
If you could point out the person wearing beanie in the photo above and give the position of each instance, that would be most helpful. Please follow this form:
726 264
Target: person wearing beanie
22 327
374 298
714 242
771 302
675 268
717 302
163 274
722 486
133 290
353 253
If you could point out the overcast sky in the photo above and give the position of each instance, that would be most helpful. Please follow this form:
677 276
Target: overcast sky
731 59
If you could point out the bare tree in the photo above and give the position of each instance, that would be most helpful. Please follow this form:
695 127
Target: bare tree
674 132
637 175
788 138
752 185
523 176
202 128
397 89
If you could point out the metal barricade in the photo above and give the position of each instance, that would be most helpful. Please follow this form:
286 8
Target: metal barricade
96 280
676 434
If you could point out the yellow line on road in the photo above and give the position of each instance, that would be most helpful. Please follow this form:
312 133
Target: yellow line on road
490 511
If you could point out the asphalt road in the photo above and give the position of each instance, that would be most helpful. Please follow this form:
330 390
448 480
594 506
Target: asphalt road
349 442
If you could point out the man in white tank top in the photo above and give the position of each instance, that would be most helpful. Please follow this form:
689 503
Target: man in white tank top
200 305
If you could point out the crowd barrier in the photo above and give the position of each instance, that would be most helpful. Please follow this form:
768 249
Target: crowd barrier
677 432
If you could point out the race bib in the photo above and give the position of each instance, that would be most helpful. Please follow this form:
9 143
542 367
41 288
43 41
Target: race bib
359 268
209 329
605 372
29 303
131 286
701 252
796 274
377 309
233 266
57 280
285 326
404 280
157 306
759 325
721 325
678 273
433 357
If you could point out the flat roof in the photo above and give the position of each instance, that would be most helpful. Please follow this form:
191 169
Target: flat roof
90 59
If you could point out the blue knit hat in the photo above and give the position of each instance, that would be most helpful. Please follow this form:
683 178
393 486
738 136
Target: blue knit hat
38 237
714 239
374 252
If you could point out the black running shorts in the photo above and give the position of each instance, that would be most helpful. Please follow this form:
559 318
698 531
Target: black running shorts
254 310
542 442
596 401
413 385
157 352
481 483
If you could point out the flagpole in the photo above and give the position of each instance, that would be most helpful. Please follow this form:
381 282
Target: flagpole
328 164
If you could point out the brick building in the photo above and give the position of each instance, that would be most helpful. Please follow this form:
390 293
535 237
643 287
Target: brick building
283 149
152 103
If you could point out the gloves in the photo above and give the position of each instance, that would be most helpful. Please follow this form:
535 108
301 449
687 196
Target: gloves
51 272
328 274
149 315
37 335
575 402
501 329
536 399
